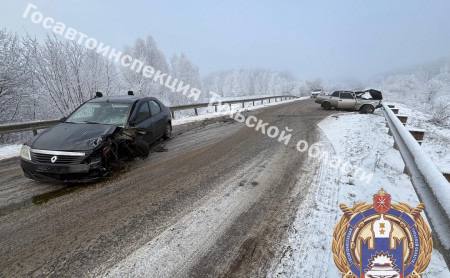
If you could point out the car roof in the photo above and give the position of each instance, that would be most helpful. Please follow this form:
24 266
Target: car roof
120 99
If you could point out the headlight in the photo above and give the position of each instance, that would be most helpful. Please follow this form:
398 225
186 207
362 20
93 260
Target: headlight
25 152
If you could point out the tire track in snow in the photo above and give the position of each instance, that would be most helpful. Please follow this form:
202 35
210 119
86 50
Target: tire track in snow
176 249
309 238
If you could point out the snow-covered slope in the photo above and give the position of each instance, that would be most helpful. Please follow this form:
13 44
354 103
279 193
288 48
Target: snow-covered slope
437 137
362 140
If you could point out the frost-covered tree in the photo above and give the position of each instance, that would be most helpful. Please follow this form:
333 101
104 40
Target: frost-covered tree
14 74
146 51
424 87
68 73
244 82
183 69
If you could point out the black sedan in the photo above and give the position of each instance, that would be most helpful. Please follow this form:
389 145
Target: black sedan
96 138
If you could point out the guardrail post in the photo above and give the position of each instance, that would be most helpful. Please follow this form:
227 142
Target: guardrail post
395 110
173 114
418 134
405 171
196 112
34 132
253 103
396 146
391 106
269 100
447 175
215 107
243 104
403 119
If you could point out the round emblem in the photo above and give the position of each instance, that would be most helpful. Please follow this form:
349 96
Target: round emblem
53 159
382 240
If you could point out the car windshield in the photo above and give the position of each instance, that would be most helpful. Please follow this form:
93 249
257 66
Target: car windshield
101 113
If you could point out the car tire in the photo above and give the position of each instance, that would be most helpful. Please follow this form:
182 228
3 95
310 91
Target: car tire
367 109
326 105
168 131
142 149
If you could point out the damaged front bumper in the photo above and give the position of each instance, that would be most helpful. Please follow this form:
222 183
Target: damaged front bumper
70 173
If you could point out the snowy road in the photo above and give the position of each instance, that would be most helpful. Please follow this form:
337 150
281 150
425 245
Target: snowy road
216 200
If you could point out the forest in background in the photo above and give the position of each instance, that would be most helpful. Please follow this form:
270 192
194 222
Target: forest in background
49 78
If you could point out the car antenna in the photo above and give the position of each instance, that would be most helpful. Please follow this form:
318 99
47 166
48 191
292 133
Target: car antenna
130 93
98 94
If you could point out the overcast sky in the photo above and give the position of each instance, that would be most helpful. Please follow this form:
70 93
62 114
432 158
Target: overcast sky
327 39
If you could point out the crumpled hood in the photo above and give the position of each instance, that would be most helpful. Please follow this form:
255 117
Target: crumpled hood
71 137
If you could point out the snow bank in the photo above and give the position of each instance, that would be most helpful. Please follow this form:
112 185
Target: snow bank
437 137
9 151
361 140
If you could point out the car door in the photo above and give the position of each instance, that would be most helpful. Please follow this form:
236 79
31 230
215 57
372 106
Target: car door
158 118
334 99
144 122
346 100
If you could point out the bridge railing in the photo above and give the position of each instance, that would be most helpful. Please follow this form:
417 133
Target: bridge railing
34 126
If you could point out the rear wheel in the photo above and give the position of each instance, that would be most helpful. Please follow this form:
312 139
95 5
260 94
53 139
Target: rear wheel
168 131
326 105
367 109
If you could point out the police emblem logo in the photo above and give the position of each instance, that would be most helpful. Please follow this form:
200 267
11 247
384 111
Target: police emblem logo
382 240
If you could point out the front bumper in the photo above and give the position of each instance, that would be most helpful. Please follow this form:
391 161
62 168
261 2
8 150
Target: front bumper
62 172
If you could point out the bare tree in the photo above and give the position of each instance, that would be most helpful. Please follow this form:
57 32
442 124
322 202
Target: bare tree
441 111
69 73
14 76
183 69
146 51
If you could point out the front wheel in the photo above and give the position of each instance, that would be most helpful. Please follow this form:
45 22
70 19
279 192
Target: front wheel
168 131
367 109
326 105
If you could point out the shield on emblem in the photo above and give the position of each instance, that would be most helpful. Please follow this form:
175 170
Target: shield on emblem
382 202
53 159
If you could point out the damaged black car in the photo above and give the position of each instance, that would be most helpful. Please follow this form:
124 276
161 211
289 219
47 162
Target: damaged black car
98 137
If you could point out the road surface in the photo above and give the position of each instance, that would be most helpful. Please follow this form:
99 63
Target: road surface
213 201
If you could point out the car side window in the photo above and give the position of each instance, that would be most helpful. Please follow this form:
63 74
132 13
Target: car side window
154 107
347 96
143 113
335 94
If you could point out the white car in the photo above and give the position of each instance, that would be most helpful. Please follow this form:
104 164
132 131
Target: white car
364 101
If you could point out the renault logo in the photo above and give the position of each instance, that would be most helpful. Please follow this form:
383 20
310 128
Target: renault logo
53 159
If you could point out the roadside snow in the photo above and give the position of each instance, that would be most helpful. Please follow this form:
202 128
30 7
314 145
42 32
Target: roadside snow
437 138
362 140
8 151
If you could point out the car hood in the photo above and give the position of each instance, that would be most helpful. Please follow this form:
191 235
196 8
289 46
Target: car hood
71 137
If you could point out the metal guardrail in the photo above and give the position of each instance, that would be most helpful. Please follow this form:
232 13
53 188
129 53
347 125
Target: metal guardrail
37 125
226 102
429 183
